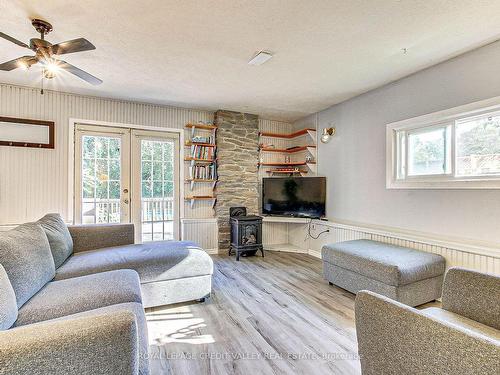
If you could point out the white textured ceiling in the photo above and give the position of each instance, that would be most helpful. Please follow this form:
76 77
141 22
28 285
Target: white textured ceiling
194 53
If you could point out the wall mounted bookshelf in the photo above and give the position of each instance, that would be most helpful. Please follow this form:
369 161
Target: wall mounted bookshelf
195 198
296 134
294 149
201 170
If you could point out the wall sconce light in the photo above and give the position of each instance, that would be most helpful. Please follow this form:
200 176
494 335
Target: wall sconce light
327 134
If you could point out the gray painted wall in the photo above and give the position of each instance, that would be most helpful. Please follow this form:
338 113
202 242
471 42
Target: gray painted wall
354 161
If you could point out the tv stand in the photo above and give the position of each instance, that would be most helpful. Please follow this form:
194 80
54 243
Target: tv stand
285 233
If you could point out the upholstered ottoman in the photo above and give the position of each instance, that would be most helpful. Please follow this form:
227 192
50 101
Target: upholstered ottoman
409 276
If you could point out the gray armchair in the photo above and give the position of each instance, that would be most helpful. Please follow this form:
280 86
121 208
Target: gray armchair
87 345
462 337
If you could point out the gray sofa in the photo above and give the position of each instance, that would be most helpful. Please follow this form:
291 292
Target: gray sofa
72 301
462 337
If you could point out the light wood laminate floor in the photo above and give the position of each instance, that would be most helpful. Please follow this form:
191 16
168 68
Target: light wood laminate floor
272 315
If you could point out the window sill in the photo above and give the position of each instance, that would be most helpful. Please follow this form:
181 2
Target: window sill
466 184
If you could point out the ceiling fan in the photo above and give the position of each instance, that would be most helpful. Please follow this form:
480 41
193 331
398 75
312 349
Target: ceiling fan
45 52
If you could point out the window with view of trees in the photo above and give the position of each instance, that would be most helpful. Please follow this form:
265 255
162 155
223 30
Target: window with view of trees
461 151
478 147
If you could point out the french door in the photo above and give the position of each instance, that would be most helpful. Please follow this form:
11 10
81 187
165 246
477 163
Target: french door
128 176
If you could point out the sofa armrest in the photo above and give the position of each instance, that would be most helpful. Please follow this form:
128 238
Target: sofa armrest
397 339
101 344
472 294
97 236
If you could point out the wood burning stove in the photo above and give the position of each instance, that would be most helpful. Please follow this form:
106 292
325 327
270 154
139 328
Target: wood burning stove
246 233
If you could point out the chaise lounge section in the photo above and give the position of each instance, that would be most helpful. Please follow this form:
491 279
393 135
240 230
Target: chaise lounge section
169 271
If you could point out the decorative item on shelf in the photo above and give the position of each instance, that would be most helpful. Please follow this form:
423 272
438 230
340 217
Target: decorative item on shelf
309 159
287 159
327 134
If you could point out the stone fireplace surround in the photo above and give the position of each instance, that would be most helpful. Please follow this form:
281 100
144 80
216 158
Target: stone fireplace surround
237 167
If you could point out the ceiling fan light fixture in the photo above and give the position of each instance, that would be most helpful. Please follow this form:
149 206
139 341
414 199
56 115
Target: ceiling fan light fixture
23 65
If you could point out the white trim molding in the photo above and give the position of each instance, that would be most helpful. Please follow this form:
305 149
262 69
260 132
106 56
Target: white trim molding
444 118
480 256
484 257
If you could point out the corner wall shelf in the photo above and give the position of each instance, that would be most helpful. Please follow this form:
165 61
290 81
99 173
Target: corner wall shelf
290 172
278 164
291 135
293 149
287 150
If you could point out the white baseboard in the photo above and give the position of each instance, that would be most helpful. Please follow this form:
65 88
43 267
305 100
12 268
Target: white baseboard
314 253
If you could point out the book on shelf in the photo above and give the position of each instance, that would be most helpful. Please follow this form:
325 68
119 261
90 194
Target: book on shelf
201 139
202 172
202 152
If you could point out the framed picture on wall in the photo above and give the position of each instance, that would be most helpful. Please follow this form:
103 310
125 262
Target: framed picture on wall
26 133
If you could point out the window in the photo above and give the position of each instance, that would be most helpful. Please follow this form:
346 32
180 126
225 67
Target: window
457 148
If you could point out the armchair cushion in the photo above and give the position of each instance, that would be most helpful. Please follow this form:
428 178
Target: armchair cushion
60 241
8 304
462 322
25 255
70 296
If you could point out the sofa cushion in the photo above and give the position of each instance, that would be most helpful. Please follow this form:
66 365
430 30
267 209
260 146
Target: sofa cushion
154 261
60 241
8 304
462 322
70 296
26 257
393 265
134 307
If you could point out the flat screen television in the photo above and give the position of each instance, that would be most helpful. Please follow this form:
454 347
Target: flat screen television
294 196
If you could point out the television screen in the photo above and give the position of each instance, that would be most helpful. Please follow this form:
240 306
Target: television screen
294 196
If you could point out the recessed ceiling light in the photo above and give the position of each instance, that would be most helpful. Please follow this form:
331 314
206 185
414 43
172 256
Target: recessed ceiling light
260 58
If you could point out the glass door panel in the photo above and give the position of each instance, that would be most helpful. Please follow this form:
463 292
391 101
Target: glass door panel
101 173
101 181
155 167
157 190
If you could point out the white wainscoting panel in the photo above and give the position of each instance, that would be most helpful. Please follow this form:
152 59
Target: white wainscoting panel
202 231
293 237
456 254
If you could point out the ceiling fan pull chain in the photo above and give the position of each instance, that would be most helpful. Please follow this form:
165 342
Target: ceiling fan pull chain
43 74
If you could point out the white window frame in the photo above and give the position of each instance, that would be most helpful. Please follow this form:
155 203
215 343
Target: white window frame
449 117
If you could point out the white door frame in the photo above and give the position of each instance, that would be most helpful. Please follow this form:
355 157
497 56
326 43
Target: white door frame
71 156
135 137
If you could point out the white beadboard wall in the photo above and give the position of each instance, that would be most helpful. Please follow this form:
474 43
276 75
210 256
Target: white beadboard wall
201 231
478 257
34 182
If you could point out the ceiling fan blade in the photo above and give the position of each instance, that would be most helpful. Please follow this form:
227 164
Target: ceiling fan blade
78 72
14 40
70 46
25 61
